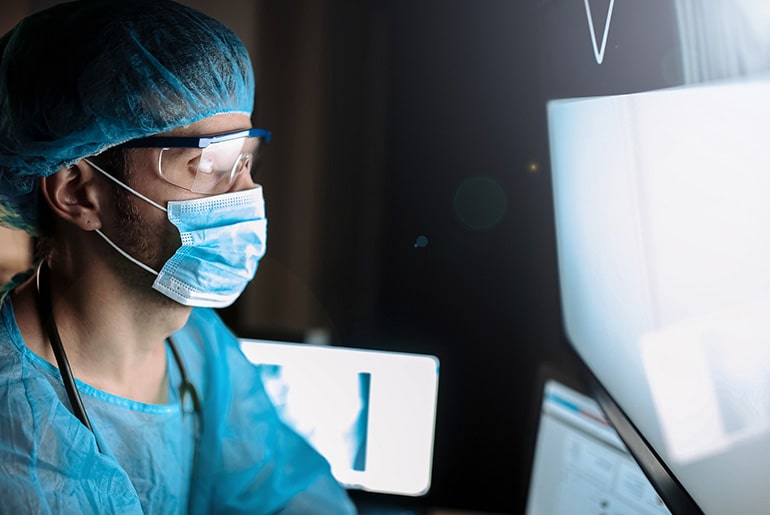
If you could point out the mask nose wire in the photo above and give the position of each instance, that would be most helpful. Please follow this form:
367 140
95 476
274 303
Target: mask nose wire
105 238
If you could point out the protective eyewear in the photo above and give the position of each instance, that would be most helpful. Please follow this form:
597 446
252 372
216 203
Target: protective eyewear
206 164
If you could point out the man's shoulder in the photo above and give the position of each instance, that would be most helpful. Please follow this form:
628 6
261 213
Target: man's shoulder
10 353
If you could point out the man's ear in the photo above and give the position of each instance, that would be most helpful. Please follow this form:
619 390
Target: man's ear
74 195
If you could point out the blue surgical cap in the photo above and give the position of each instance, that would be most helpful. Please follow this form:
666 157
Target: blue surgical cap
84 76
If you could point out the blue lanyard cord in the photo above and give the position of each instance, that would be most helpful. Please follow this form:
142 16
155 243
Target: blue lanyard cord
76 402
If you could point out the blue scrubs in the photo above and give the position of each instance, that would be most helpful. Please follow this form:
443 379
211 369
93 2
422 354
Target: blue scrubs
236 458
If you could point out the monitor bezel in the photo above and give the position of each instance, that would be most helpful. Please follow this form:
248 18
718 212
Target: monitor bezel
674 495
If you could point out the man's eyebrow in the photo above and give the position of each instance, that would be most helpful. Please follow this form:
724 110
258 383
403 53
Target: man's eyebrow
187 131
182 130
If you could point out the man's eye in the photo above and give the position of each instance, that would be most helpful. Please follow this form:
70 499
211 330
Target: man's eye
203 164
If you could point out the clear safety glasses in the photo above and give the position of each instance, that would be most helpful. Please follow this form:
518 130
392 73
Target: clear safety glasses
206 164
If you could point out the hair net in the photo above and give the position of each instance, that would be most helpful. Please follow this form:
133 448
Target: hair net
84 76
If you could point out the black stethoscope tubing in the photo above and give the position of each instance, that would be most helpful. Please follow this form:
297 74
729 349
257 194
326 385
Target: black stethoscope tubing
76 402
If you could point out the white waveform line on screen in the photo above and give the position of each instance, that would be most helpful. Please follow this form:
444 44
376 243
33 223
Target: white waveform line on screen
599 52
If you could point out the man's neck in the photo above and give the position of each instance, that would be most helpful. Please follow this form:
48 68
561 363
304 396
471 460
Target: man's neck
113 336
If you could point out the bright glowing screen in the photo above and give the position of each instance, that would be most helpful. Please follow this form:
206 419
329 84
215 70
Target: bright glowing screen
663 227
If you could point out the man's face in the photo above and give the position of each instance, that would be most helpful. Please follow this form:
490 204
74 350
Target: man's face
143 230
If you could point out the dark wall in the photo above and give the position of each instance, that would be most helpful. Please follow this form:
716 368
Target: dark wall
432 225
464 130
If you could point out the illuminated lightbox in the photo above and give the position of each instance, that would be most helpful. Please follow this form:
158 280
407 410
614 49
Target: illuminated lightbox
371 414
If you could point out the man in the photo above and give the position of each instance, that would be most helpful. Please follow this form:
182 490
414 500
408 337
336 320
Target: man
126 147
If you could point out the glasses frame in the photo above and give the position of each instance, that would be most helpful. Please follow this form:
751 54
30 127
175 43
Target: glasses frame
194 141
200 142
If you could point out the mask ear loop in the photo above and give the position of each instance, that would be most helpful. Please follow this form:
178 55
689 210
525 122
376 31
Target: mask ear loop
125 186
49 325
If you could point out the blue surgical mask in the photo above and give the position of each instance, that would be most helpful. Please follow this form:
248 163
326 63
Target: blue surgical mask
223 239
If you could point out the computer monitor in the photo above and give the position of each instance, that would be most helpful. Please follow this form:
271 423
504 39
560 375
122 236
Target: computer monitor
662 217
580 466
371 414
